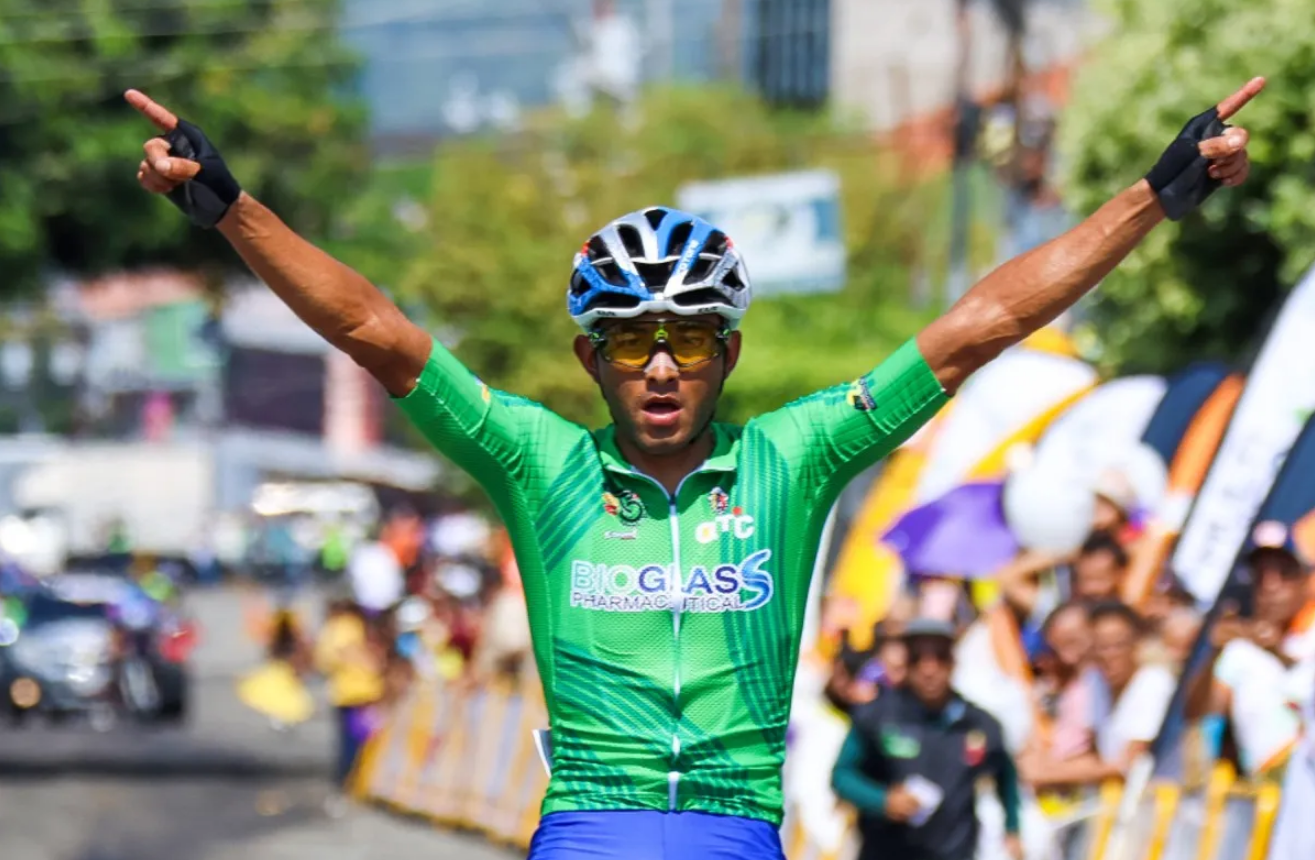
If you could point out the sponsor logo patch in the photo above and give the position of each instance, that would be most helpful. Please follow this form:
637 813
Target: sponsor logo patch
626 506
736 523
741 587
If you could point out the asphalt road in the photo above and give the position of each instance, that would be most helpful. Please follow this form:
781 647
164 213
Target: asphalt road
224 787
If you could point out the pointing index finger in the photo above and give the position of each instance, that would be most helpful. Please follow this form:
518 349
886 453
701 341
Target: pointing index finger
161 116
1238 100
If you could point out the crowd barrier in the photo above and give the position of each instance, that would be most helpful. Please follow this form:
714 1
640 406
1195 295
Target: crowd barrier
465 758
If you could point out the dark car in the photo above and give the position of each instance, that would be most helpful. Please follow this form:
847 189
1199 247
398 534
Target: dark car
91 644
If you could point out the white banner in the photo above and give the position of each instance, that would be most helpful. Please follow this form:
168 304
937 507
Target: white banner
1279 395
787 226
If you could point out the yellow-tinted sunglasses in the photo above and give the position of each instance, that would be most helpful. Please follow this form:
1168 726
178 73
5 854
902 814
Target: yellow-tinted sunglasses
631 343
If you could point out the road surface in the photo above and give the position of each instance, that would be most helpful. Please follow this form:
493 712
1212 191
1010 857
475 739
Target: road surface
225 787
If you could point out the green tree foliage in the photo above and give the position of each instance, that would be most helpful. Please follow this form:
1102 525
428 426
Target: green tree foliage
506 217
1207 285
265 78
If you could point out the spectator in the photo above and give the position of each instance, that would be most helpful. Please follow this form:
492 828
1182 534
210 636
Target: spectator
1129 704
404 533
1115 500
1098 571
277 689
354 667
901 767
889 666
1178 629
1065 698
843 689
1252 659
1064 702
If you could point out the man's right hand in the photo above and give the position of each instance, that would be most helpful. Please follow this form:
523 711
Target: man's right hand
184 165
901 805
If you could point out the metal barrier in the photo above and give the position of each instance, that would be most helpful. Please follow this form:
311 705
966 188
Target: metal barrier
430 761
466 758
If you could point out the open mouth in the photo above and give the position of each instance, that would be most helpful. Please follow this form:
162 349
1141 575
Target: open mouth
662 411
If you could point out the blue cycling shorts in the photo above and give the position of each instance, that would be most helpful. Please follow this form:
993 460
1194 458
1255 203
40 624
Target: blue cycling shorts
652 835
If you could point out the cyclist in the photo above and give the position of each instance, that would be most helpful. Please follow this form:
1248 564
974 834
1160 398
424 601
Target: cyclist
666 558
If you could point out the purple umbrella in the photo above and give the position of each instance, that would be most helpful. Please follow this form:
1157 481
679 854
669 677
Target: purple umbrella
961 534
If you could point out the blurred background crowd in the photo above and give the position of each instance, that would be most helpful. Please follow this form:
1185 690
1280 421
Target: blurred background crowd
1115 517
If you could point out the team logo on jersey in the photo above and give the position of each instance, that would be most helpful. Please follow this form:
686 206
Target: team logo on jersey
974 748
626 506
736 522
719 500
741 587
860 395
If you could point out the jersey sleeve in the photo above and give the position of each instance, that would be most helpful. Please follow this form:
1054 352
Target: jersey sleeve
485 432
838 432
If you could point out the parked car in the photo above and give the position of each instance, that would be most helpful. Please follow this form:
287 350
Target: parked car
92 643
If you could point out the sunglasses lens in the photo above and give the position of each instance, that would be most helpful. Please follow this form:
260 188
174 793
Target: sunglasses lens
693 342
629 344
632 343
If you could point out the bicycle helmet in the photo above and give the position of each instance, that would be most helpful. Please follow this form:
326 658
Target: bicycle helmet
658 259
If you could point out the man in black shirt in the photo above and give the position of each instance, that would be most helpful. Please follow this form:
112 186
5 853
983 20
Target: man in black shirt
914 756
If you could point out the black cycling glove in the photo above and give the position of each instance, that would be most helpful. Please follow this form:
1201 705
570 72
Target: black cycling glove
206 198
1180 178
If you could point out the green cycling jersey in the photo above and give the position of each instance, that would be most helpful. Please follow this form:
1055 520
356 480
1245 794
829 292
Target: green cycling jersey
666 627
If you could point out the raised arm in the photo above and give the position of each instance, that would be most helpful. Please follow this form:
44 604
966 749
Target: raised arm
330 297
1034 288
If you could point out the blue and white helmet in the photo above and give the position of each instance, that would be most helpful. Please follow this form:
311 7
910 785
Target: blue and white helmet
658 259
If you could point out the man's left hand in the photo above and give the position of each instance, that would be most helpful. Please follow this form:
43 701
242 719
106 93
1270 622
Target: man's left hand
1206 154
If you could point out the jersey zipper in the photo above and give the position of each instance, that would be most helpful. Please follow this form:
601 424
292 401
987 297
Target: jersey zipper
677 607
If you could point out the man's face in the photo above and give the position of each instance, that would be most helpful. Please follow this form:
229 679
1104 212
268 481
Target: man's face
1115 650
1097 576
661 407
1279 583
931 663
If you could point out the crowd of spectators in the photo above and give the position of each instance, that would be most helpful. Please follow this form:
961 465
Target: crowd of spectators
1080 671
435 600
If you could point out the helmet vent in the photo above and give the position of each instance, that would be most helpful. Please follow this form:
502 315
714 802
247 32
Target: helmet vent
679 237
579 286
630 239
695 298
611 272
598 249
655 217
716 243
701 268
732 280
655 274
619 301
